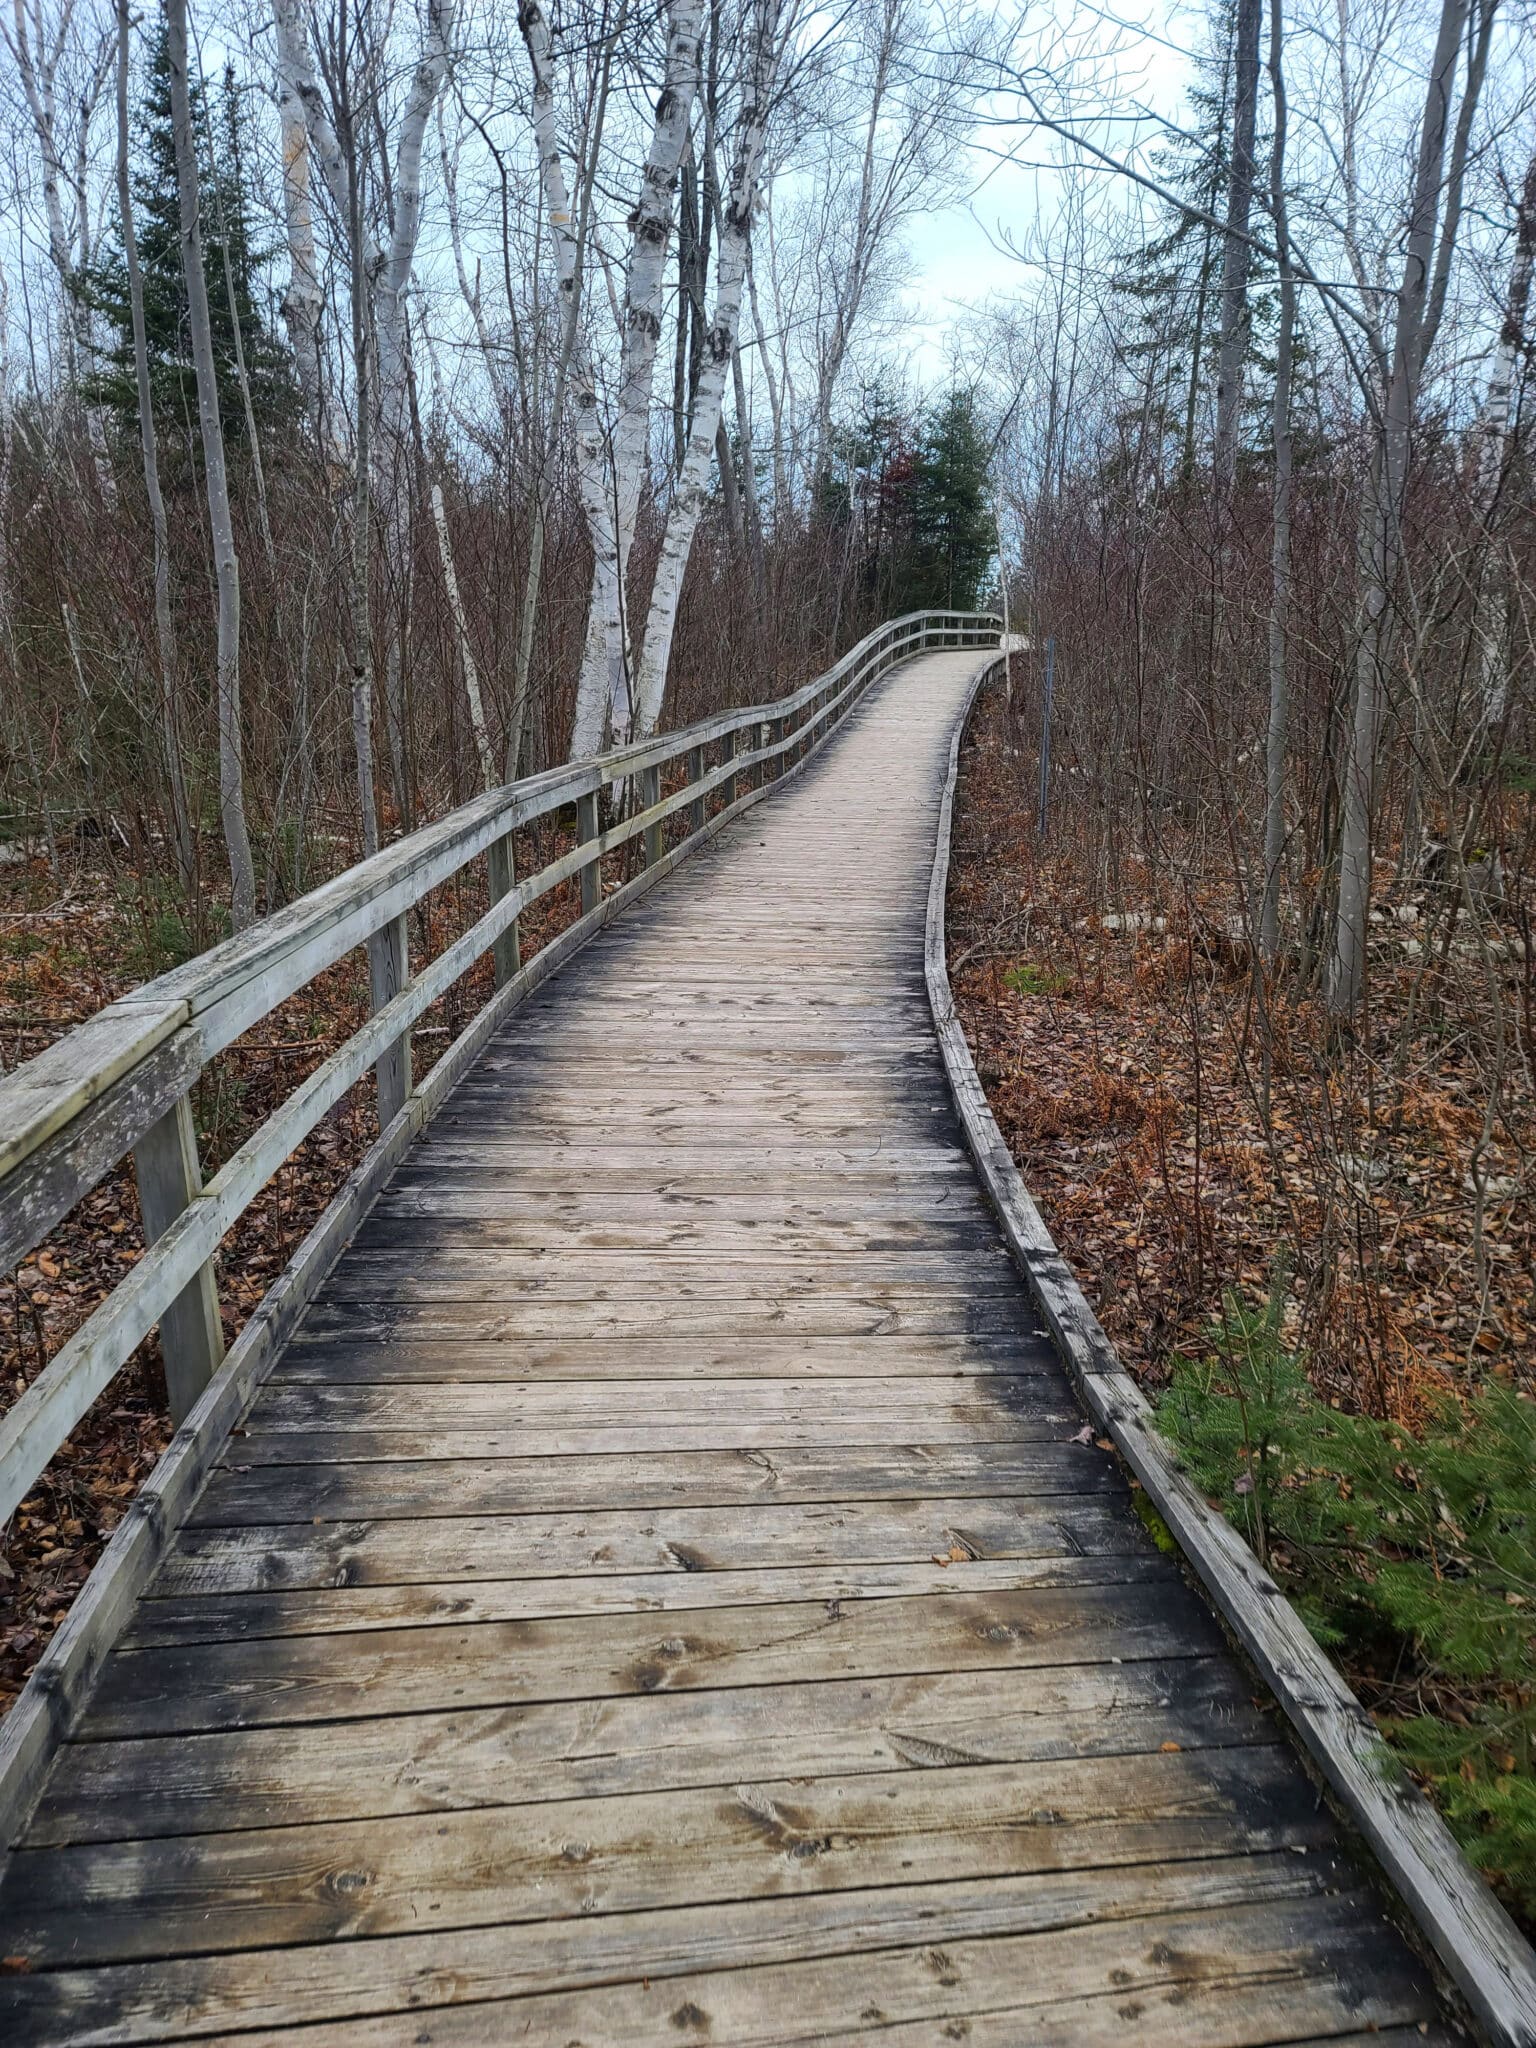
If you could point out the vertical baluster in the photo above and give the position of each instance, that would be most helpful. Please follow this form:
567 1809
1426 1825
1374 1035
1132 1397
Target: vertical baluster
728 753
695 773
170 1176
388 968
650 793
501 872
592 873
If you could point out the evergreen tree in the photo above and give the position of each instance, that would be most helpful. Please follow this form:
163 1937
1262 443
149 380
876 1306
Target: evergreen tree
1171 286
953 538
231 264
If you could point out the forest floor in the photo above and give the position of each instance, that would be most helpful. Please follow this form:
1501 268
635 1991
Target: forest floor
69 944
1121 1050
1381 1187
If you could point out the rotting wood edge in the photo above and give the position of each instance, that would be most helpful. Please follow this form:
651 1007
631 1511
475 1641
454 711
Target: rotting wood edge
1490 1962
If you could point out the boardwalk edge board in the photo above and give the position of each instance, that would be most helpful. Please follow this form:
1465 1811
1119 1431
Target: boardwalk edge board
49 1704
1476 1940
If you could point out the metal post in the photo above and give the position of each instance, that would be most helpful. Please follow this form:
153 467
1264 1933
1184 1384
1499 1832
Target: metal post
1045 731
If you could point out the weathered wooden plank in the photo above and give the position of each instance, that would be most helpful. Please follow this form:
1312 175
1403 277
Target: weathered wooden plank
689 1540
1032 1408
338 1610
633 1853
44 1185
427 1763
1246 1976
374 1274
299 1678
314 1358
685 1314
240 1494
42 1097
170 1179
413 1981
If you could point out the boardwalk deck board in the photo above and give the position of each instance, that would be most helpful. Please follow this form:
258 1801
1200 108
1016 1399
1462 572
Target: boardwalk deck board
664 1593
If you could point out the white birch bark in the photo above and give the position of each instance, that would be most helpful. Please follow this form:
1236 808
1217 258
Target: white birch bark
592 473
602 690
1494 443
225 561
720 348
303 301
38 50
472 693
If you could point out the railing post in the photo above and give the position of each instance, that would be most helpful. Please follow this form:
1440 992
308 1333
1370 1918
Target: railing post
501 872
650 793
388 967
728 753
775 735
592 873
191 1337
696 818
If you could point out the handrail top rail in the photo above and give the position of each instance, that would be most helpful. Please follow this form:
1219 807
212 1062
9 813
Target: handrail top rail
218 990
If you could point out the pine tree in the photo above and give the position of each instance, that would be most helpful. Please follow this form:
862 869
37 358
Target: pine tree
1171 286
232 288
953 539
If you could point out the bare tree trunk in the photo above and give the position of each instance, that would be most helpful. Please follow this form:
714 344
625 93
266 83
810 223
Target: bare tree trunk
1277 739
472 694
720 348
384 275
1420 300
1236 254
221 525
602 690
303 301
1495 440
568 238
752 516
165 631
36 53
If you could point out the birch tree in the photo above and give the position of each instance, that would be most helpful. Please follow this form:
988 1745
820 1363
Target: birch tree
602 689
303 300
1494 447
63 67
221 524
770 22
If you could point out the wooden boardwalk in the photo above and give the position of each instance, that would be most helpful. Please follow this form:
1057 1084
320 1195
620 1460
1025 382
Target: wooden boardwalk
663 1594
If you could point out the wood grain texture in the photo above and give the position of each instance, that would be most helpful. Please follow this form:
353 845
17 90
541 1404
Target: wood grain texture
666 1589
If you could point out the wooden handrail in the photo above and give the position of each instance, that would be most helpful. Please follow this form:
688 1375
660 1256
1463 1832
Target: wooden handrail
121 1082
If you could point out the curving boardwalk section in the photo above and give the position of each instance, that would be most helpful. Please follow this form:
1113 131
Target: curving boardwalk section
663 1596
